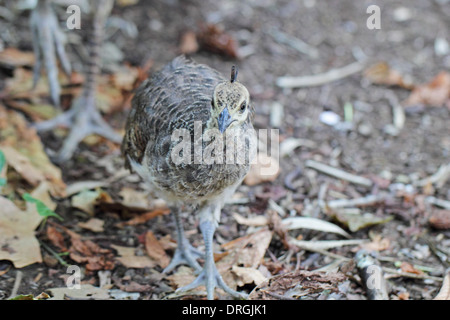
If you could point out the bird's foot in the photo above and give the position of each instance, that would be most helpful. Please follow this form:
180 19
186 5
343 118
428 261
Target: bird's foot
185 254
48 47
83 120
211 279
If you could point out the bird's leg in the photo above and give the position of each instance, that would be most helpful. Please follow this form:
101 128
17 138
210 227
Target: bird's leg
48 46
83 118
209 276
185 252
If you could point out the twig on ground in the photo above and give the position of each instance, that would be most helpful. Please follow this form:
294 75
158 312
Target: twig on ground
320 79
398 112
54 254
357 202
338 173
297 44
411 275
315 245
438 202
439 178
15 289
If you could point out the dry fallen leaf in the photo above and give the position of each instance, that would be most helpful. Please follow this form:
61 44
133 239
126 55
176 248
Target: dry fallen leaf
132 286
382 73
87 251
86 291
245 252
56 238
25 152
266 169
214 39
129 258
125 78
247 275
86 200
183 276
142 218
358 221
17 240
155 250
409 268
135 199
93 224
20 86
444 293
377 244
436 93
293 285
12 57
188 43
238 265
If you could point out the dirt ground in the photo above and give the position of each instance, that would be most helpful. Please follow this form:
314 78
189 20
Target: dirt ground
369 147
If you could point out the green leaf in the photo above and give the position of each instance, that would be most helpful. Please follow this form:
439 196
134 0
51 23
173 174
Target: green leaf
2 160
41 208
2 163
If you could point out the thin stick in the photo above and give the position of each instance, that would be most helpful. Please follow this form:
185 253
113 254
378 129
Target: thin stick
320 79
15 289
438 202
337 173
411 275
54 254
357 202
440 177
398 112
293 42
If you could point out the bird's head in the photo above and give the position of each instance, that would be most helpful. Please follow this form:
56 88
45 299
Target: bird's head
230 103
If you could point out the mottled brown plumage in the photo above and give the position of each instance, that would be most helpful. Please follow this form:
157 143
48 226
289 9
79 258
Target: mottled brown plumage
189 97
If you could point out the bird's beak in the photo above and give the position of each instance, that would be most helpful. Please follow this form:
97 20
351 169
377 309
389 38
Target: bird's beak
224 120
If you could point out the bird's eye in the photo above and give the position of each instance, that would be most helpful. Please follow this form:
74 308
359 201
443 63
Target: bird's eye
243 106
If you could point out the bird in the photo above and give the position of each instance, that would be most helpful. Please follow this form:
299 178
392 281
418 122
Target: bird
83 118
178 101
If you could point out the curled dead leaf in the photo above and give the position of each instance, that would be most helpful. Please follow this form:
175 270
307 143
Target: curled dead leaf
444 293
247 276
128 257
25 152
90 253
436 93
155 250
214 39
142 218
93 224
382 73
244 252
408 267
56 238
